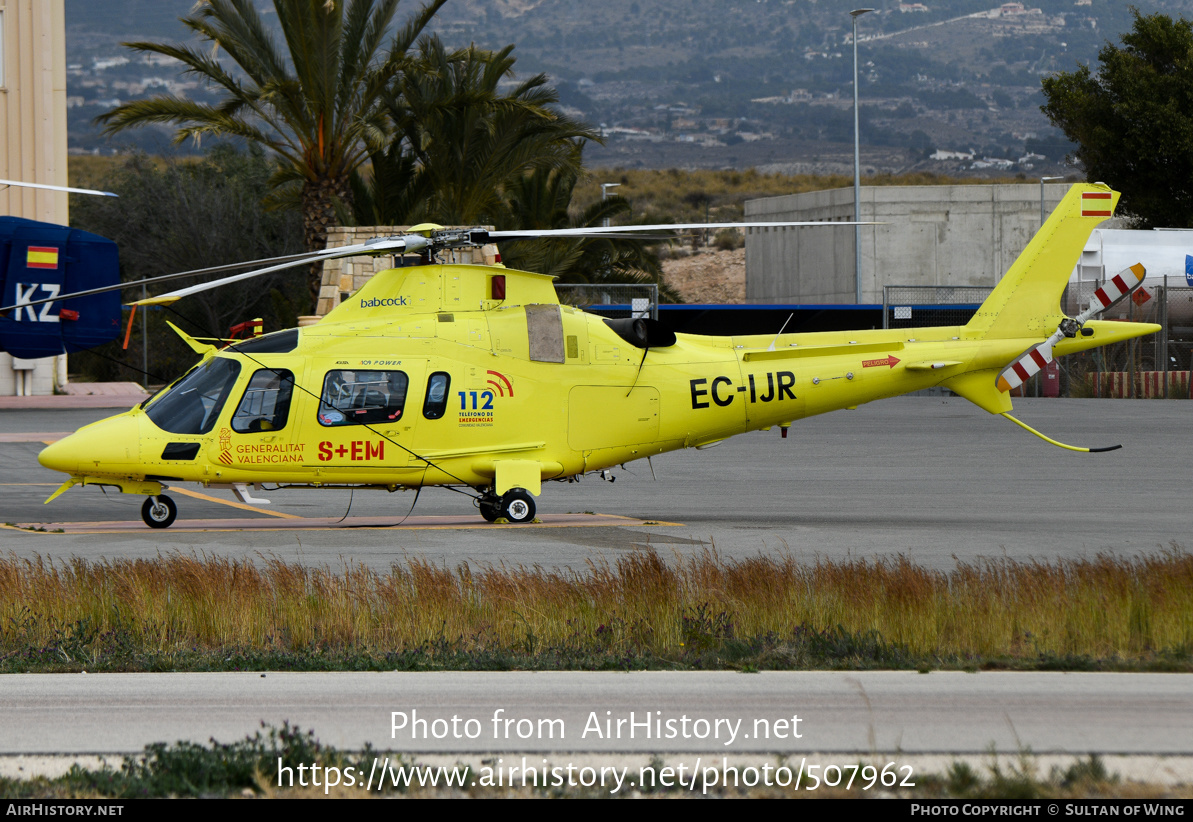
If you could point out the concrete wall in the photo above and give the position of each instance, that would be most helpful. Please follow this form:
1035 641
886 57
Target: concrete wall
33 144
932 235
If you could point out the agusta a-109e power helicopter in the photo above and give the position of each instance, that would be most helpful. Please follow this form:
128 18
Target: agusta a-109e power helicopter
476 377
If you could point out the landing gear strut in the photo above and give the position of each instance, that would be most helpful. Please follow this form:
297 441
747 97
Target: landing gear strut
159 511
517 506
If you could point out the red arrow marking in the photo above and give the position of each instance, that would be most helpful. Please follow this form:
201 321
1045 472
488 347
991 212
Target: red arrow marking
892 360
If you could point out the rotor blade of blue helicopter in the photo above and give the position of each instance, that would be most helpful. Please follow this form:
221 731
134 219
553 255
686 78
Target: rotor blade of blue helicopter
58 188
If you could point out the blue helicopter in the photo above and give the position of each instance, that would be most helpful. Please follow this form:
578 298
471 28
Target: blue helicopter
39 261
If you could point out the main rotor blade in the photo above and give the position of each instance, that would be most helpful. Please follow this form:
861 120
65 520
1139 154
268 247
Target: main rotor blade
410 242
58 188
306 255
622 230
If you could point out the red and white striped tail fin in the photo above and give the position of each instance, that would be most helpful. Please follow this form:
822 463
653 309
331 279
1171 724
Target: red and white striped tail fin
1026 367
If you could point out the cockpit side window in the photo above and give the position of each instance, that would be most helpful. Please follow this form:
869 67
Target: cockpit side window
357 397
194 403
266 402
437 389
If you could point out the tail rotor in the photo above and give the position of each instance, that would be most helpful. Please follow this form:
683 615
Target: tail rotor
1035 358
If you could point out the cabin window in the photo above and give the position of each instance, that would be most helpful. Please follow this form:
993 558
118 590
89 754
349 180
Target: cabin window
266 402
193 404
358 397
436 402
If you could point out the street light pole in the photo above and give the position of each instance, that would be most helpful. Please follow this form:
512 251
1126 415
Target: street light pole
1042 181
604 194
857 168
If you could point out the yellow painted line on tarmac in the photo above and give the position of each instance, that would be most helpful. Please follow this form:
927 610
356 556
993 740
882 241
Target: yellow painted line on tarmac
231 504
329 524
632 520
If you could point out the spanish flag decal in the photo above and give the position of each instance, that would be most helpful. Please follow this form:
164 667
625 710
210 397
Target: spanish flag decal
1095 204
41 257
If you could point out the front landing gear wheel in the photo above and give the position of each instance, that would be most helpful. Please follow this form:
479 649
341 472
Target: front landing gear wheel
490 508
517 505
159 511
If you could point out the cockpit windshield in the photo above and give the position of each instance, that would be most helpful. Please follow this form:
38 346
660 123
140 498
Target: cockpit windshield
194 403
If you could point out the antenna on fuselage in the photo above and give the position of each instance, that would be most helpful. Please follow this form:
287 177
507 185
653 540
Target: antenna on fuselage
771 347
638 374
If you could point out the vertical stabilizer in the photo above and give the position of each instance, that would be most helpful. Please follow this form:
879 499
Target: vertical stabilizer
1026 302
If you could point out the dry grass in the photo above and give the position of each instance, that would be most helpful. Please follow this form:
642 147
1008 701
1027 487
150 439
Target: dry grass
1107 608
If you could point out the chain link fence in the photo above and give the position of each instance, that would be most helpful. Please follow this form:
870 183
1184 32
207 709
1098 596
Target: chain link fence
612 300
1153 367
916 306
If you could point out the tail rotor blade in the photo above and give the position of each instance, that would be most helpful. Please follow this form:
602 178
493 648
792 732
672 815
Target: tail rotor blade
1113 290
1027 366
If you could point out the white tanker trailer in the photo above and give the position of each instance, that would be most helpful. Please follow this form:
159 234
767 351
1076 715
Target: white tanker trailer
1166 253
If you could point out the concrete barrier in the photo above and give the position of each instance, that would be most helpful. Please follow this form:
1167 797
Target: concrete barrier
1149 385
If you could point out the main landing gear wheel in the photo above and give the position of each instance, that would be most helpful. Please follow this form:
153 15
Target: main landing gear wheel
517 505
490 508
159 511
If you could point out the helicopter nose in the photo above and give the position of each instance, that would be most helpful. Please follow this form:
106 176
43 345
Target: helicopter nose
108 446
60 456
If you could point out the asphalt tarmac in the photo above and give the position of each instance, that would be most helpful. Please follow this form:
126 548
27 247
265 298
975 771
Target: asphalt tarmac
838 711
936 480
933 479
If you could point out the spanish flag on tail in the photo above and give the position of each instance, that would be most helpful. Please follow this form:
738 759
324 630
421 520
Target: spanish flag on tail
38 256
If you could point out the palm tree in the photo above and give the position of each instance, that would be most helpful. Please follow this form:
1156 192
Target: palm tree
316 102
460 143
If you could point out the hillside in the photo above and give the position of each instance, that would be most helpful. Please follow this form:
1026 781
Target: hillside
719 83
709 276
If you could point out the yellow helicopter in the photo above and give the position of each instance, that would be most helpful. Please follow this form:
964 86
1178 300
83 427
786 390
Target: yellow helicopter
477 377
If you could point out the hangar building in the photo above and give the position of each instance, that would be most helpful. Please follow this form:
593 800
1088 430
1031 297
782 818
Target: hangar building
959 235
